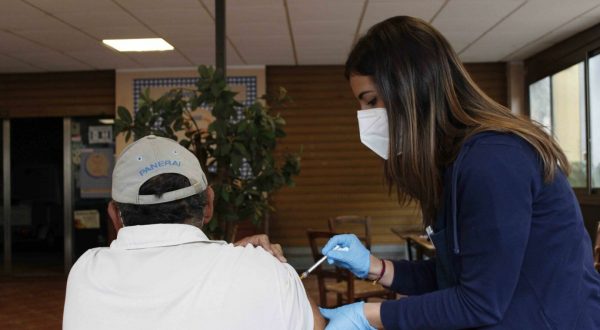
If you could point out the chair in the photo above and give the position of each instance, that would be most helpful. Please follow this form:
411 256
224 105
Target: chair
597 249
342 282
352 224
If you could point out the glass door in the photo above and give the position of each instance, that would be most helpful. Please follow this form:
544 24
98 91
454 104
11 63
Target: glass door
36 198
55 188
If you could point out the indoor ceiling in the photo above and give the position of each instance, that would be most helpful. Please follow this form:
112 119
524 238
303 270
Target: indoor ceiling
63 35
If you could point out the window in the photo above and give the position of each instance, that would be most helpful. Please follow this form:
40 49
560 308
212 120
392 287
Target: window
539 98
558 103
594 101
568 125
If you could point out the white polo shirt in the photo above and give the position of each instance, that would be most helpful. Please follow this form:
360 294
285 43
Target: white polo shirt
170 276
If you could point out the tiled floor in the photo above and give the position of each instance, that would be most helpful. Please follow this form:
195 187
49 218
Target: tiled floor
31 302
37 302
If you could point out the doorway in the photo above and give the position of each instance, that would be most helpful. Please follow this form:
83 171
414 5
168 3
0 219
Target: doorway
33 238
55 188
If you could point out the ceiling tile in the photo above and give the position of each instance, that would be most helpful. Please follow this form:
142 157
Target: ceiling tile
160 59
200 55
120 32
83 20
63 39
323 49
18 15
583 22
10 44
174 33
463 21
320 56
279 49
251 20
379 10
177 16
532 21
161 4
54 6
232 57
53 61
103 58
8 64
324 25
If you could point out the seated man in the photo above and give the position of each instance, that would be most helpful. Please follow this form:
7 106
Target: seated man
162 272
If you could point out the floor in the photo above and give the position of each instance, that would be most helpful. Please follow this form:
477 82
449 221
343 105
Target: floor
31 302
36 302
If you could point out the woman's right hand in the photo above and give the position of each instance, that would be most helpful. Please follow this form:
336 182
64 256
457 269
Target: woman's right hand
355 258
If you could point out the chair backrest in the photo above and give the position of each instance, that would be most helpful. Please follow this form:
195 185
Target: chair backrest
358 225
597 249
317 239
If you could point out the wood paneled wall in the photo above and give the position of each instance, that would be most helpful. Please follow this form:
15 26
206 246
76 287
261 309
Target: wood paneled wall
339 175
65 94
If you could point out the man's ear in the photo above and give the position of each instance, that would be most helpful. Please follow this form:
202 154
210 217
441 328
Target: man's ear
208 209
113 213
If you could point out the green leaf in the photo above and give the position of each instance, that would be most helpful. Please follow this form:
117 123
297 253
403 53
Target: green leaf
124 114
239 199
143 115
185 143
225 195
236 162
242 126
225 149
241 149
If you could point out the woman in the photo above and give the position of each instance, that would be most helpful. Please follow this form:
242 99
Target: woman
512 251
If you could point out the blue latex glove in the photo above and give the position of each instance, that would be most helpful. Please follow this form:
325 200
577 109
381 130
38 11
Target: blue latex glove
356 258
347 317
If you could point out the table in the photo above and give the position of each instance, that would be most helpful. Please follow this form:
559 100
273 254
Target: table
415 239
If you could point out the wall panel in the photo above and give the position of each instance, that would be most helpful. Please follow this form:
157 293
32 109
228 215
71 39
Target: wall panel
339 175
63 94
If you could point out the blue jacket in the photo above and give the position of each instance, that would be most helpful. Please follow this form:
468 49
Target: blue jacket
511 250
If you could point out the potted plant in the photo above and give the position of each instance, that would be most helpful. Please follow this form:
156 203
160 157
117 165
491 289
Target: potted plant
237 150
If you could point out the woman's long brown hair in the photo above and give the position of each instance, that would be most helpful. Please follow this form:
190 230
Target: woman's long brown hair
433 105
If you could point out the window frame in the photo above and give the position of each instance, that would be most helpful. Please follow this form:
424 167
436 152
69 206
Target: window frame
588 123
541 68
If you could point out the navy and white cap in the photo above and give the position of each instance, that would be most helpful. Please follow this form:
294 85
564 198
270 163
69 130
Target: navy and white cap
151 156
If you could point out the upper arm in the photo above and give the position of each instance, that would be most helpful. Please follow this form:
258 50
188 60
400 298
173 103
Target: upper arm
495 196
319 320
297 310
496 188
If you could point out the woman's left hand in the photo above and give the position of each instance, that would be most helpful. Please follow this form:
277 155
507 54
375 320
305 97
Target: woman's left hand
347 317
263 241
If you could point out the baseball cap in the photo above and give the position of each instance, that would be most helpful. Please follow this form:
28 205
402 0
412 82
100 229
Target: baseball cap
151 156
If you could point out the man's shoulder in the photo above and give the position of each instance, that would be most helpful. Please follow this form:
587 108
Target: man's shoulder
251 258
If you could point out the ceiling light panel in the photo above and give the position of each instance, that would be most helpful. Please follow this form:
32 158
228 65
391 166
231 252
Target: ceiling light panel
138 45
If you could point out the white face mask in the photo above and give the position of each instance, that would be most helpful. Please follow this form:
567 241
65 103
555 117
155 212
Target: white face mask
374 131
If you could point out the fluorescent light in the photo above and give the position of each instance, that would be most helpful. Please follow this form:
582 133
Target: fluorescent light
107 121
138 45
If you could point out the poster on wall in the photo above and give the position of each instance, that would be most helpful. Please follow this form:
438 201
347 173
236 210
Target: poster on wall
95 171
86 219
102 134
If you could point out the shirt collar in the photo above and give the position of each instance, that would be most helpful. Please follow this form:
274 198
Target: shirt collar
148 236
